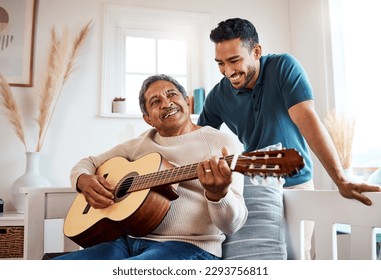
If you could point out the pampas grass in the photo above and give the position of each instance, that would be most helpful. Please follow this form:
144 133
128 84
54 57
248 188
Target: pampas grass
12 109
52 83
342 130
60 65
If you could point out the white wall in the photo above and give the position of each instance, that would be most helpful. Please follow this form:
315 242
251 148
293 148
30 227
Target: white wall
77 131
311 44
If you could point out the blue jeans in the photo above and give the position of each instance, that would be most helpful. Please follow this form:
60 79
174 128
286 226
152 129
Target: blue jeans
140 249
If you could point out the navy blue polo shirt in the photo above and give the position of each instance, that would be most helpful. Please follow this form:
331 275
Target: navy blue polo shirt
259 117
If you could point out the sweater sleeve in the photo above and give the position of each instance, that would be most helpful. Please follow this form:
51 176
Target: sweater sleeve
90 164
230 213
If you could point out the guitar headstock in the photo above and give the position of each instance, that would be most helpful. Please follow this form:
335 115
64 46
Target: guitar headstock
277 163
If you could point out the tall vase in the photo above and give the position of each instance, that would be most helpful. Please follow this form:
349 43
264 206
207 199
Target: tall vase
30 179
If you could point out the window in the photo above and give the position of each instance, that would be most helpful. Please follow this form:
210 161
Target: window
355 29
142 42
149 56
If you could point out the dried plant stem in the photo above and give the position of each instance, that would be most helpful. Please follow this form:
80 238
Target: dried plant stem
55 67
342 129
12 109
60 66
77 44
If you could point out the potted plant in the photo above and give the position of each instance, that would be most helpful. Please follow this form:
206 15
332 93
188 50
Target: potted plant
119 105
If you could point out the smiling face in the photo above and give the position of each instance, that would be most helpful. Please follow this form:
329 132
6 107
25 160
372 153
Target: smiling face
167 109
237 63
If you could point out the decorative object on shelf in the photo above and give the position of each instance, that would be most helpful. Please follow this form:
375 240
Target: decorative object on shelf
375 177
199 98
60 65
31 178
119 105
342 130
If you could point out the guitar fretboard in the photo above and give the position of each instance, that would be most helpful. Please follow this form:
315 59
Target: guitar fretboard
270 163
166 177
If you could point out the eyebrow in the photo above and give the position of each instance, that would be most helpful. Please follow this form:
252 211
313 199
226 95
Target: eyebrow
170 90
165 91
229 59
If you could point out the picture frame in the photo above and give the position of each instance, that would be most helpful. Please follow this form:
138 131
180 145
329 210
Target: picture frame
17 25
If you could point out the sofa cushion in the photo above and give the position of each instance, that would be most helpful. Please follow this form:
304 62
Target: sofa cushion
263 234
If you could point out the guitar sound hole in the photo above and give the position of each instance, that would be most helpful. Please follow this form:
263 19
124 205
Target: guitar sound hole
124 186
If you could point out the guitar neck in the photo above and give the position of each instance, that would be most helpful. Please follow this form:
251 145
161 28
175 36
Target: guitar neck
286 162
167 177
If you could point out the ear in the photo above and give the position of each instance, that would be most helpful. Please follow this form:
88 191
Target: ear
147 119
257 51
187 100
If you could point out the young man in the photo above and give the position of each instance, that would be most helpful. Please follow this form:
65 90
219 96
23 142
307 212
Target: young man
206 209
268 99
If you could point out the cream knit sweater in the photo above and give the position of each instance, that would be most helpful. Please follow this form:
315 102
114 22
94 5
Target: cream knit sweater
192 217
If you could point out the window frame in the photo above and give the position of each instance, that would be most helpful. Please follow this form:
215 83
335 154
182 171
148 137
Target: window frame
155 36
121 20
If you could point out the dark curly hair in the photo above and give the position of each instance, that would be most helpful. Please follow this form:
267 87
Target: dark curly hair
235 28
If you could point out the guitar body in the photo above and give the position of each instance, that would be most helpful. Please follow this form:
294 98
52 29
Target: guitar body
144 192
136 213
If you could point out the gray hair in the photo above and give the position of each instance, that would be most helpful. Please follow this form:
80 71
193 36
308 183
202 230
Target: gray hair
152 79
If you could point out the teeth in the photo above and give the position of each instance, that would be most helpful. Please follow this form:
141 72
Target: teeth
235 77
170 114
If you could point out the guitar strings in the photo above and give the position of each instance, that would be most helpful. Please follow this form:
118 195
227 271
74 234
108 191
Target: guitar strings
162 177
189 172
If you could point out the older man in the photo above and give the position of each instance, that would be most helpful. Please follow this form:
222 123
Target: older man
207 209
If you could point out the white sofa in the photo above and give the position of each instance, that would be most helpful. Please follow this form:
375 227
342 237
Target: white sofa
360 223
342 225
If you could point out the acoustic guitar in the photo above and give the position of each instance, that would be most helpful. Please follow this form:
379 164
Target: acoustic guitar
143 192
